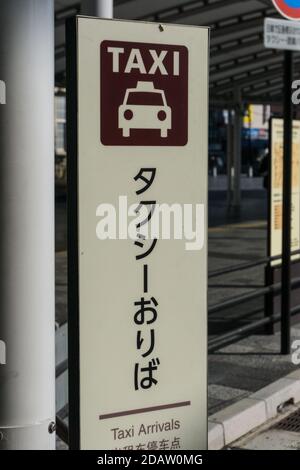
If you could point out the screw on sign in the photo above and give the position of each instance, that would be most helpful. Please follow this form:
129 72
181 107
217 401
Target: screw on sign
144 94
288 8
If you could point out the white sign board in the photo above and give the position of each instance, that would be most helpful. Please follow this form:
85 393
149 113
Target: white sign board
276 193
138 308
282 34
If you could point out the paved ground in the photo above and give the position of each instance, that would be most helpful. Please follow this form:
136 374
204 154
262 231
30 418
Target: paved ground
220 183
282 433
253 207
245 367
229 246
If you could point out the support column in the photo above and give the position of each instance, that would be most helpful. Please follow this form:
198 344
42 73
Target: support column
229 156
27 376
237 151
101 8
287 206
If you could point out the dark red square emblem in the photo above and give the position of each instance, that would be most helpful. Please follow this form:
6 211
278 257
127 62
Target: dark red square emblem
144 94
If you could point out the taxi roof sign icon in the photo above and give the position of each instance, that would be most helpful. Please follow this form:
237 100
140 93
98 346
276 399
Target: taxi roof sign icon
145 86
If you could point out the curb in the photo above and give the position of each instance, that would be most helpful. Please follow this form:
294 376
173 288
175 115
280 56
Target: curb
238 419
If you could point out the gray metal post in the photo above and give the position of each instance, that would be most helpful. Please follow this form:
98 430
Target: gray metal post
229 156
101 8
237 150
287 206
27 379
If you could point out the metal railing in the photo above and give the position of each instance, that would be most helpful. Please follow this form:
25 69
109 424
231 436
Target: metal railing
228 337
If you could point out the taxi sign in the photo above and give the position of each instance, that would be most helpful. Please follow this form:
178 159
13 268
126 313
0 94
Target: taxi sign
137 108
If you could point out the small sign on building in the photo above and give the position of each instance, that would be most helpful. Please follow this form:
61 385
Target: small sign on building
282 34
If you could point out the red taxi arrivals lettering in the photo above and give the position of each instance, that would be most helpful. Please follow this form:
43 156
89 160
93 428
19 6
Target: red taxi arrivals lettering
144 94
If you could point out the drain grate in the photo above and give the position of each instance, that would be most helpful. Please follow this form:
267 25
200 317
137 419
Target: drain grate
290 423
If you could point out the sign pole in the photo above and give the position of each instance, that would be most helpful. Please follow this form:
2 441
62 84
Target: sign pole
287 203
101 8
27 278
237 141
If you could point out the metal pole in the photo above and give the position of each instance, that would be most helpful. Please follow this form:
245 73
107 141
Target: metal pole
101 8
250 146
27 383
237 151
287 203
229 151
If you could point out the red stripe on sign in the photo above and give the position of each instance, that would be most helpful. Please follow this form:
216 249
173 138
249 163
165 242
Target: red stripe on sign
149 409
285 10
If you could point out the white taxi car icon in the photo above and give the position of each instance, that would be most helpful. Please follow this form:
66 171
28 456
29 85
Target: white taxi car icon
145 107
